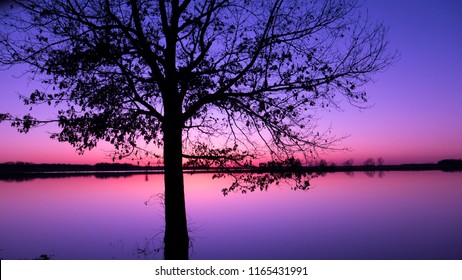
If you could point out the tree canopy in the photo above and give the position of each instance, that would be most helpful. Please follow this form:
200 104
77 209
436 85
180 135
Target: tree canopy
238 76
216 82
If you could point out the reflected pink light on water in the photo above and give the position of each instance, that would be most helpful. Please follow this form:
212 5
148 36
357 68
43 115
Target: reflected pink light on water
80 213
404 215
340 217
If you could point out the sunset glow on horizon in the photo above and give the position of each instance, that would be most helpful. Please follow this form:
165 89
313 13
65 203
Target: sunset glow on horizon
414 113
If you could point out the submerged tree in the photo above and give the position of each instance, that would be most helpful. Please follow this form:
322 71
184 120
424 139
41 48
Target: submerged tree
214 82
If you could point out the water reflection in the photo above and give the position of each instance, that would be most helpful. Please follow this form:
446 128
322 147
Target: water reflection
404 215
249 182
372 173
22 177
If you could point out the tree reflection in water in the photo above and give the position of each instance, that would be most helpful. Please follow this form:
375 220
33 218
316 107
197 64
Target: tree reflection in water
242 183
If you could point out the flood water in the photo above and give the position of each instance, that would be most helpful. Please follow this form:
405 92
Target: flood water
400 215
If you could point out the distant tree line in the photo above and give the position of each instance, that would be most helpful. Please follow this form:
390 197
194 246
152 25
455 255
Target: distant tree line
290 164
26 167
450 162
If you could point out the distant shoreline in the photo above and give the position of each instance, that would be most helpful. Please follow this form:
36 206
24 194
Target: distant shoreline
31 170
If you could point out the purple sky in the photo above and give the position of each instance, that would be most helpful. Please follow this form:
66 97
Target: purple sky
415 105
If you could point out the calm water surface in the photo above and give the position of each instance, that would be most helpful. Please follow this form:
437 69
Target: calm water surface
403 215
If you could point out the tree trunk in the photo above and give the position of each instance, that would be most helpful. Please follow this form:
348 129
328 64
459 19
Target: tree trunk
176 238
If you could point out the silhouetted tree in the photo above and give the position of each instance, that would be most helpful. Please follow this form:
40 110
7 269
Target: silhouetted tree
348 162
369 162
211 81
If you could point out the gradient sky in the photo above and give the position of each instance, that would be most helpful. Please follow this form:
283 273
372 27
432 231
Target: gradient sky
416 105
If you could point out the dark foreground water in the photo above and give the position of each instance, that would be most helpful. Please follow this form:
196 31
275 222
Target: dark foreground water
402 215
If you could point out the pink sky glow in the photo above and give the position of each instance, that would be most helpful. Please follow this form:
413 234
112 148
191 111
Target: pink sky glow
415 106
